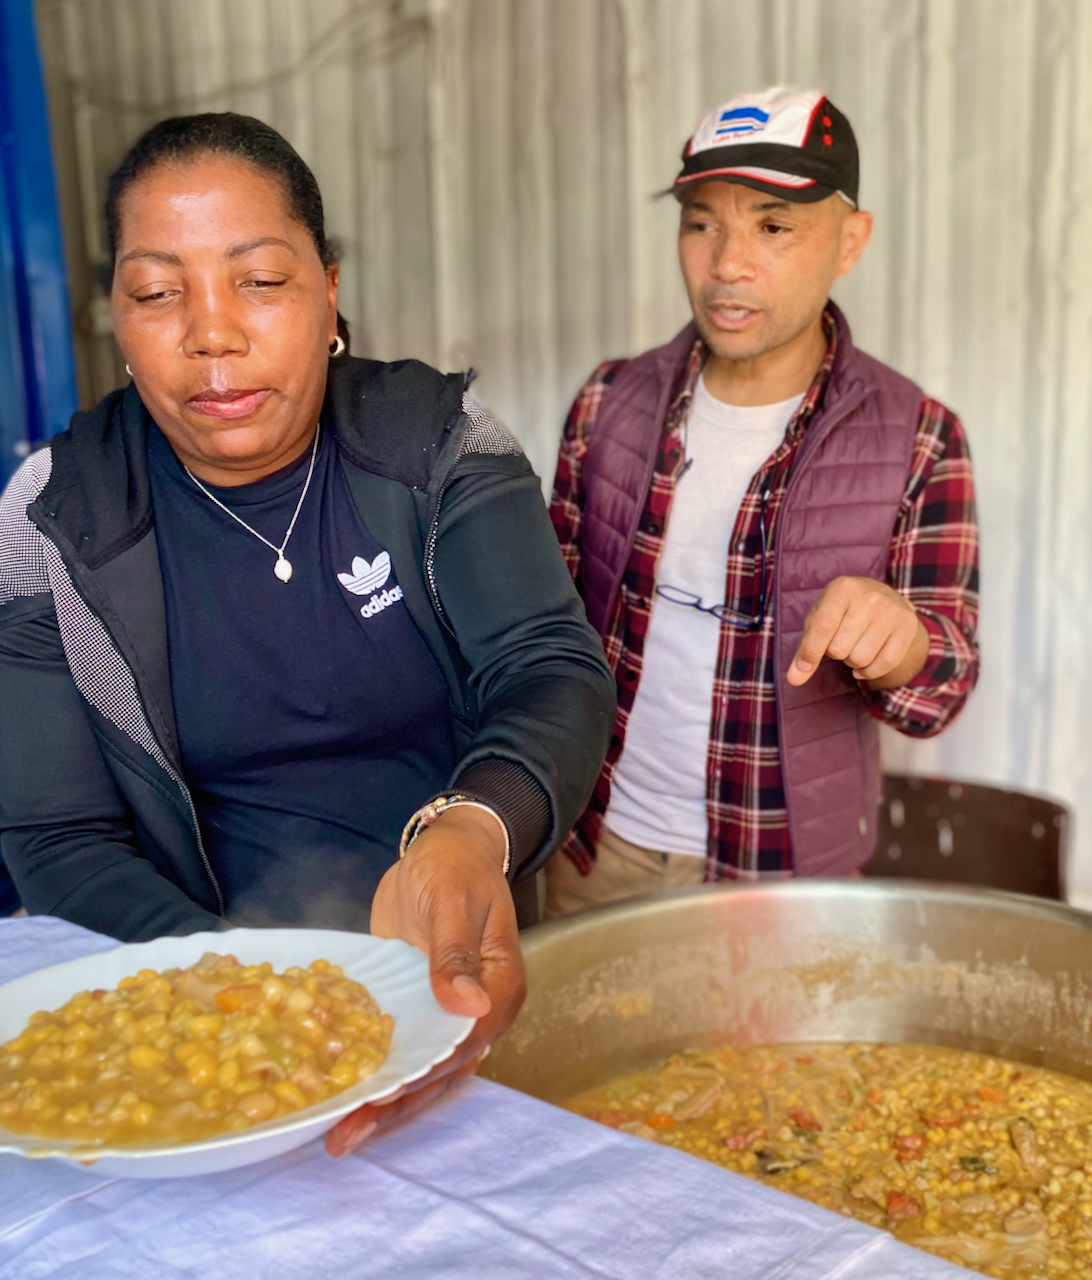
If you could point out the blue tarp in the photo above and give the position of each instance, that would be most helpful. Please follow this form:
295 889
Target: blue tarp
37 370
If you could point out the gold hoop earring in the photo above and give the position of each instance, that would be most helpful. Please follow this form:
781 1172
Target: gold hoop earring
128 371
338 348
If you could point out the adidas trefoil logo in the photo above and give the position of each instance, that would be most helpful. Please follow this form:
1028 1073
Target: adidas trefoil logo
366 578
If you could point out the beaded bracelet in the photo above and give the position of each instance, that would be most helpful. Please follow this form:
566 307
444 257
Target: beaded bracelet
427 815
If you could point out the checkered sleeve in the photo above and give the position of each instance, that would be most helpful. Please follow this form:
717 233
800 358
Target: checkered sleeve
934 563
567 502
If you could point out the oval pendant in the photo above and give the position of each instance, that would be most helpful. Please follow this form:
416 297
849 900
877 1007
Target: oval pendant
282 569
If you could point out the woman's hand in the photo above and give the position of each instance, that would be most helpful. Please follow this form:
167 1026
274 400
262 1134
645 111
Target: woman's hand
449 897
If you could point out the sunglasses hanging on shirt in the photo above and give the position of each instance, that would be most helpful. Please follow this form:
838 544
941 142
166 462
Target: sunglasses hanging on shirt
722 612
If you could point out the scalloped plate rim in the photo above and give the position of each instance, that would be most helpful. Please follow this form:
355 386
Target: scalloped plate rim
392 962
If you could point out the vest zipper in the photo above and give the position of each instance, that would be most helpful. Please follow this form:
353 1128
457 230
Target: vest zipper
430 561
852 400
200 842
461 712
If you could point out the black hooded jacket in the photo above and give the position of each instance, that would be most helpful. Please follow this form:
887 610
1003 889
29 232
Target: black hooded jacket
96 822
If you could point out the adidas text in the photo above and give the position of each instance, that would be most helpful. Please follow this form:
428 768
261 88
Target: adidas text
379 602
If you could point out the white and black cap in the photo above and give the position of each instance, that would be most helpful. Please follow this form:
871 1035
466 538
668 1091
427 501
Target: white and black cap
792 143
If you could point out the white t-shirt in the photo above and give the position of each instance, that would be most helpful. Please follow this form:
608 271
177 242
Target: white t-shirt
658 793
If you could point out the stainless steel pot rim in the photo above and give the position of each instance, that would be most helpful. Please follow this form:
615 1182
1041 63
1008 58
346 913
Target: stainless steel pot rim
800 961
816 890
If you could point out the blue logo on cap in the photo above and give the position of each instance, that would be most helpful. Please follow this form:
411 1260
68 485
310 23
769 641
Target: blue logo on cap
740 121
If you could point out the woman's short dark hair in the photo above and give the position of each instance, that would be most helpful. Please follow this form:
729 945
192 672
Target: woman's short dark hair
225 133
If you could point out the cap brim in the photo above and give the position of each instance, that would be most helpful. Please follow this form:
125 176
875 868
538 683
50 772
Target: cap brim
810 194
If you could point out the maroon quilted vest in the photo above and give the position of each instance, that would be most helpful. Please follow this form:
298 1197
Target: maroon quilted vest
843 497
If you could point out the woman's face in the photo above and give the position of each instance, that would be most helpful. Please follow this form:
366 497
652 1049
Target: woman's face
225 314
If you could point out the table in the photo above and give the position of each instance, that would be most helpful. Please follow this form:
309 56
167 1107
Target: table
489 1185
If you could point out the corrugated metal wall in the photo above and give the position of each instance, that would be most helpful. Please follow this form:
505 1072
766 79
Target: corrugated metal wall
488 166
37 375
475 160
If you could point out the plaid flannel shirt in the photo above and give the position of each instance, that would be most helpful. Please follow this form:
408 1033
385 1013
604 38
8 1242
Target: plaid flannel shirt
933 562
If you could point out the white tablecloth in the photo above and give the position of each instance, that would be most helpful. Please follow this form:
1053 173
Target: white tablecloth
489 1185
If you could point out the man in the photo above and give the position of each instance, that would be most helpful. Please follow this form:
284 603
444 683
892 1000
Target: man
773 533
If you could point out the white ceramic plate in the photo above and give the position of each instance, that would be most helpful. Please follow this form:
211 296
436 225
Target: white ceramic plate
395 973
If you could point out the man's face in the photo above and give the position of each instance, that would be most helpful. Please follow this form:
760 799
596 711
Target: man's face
759 269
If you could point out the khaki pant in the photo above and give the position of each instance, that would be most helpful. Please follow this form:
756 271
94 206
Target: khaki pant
622 870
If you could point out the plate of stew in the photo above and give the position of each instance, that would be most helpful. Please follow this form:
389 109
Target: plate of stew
198 1054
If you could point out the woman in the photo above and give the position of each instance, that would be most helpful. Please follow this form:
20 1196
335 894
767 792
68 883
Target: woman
269 604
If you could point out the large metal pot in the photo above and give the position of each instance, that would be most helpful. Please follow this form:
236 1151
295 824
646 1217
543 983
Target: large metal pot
614 990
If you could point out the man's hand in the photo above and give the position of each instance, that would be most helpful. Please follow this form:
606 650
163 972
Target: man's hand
869 627
448 897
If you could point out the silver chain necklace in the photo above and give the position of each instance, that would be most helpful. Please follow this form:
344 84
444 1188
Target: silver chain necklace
282 568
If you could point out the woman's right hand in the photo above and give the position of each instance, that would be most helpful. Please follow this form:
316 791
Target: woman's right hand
449 897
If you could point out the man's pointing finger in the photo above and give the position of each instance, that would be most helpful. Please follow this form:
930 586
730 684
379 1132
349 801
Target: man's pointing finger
819 630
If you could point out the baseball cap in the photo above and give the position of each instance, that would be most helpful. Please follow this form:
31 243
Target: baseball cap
792 143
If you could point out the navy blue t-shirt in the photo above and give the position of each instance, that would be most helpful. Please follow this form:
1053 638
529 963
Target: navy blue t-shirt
312 718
